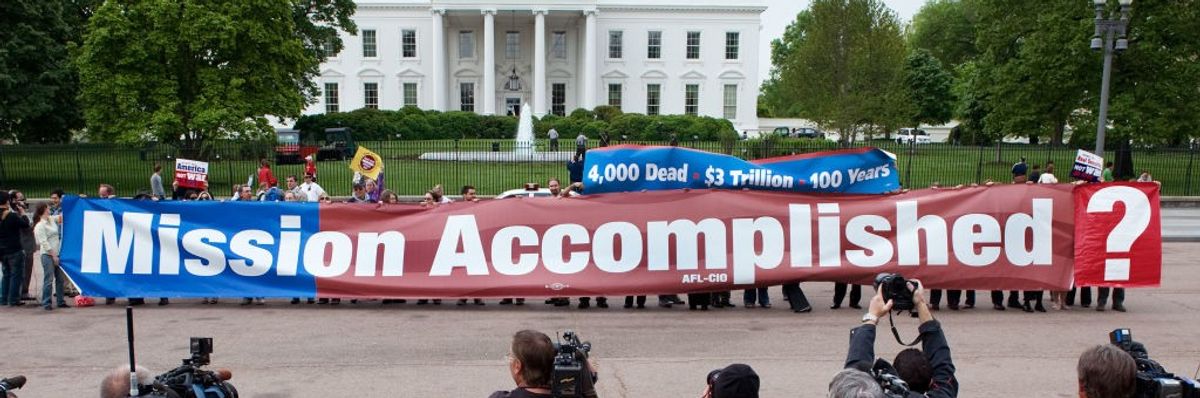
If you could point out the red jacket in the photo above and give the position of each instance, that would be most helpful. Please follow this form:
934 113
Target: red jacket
264 175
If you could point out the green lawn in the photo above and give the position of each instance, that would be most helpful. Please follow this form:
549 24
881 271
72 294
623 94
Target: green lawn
37 169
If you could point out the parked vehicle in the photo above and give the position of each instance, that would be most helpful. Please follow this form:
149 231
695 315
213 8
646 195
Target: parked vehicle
911 135
339 144
288 149
799 132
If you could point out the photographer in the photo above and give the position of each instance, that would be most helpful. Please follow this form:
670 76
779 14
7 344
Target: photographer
932 378
531 362
13 223
1105 371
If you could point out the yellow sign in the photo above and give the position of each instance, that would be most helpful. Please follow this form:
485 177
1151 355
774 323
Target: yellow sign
367 163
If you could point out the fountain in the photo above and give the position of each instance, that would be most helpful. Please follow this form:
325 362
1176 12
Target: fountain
524 149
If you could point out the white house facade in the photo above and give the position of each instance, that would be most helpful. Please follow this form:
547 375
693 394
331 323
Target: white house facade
657 57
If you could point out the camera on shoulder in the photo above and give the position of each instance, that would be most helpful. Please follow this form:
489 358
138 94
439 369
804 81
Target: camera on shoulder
572 377
1153 380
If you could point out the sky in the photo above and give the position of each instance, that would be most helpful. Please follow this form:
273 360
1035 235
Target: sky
781 13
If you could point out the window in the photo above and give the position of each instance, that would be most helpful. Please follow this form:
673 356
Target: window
408 43
614 44
693 45
331 97
410 94
558 47
691 99
371 95
558 99
730 101
327 49
466 44
368 43
614 95
731 45
466 96
654 45
653 98
512 45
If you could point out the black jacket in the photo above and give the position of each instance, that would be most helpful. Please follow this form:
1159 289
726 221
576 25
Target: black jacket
11 228
518 393
933 343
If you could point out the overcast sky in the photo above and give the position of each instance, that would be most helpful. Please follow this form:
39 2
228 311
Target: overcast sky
780 13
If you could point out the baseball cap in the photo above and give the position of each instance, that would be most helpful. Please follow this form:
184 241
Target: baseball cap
734 381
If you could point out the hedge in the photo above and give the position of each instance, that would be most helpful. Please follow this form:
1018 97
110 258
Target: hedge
411 123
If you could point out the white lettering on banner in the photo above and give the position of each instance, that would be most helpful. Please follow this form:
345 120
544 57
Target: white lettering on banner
687 235
751 244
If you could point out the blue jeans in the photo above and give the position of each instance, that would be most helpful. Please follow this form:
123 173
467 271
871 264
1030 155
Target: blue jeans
52 273
14 276
763 298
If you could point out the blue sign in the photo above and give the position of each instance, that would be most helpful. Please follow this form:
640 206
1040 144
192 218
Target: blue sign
628 168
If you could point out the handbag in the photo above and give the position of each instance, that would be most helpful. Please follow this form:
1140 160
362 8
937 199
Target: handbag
84 301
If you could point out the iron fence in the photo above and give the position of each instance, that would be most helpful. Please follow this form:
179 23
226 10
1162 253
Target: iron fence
36 169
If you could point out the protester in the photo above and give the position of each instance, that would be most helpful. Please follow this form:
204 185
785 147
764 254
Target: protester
49 240
388 197
28 244
796 299
575 168
1107 175
733 381
839 291
758 296
245 195
358 194
293 186
1145 177
311 190
1105 371
12 222
1019 171
468 194
265 175
861 356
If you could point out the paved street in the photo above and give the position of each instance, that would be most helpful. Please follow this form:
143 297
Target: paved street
1181 224
282 350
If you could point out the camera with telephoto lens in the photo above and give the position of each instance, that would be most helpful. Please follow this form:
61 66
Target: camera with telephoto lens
572 377
898 290
1153 381
190 380
11 383
889 380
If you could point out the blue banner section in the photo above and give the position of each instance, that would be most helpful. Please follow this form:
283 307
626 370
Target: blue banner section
136 248
629 168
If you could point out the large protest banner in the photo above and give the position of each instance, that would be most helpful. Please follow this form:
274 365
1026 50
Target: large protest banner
1118 232
1011 237
630 168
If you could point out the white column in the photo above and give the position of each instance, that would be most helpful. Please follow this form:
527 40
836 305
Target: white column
489 62
539 63
438 76
589 62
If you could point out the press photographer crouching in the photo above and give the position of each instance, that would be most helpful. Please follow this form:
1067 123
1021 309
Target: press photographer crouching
916 374
1124 369
542 369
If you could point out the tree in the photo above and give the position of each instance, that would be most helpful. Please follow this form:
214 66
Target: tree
773 97
946 28
1036 59
189 70
38 84
970 107
843 67
928 87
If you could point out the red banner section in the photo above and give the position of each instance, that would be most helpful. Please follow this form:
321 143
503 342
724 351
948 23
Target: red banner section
1118 234
1002 237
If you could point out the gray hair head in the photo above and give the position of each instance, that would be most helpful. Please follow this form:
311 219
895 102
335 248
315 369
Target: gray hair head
854 383
116 383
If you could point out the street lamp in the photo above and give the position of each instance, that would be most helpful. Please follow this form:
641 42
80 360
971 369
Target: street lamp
1111 30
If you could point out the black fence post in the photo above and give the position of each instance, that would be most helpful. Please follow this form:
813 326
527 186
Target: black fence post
3 173
912 148
979 165
78 170
1187 185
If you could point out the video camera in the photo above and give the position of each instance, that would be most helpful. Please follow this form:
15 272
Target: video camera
9 384
186 381
572 377
889 380
1153 381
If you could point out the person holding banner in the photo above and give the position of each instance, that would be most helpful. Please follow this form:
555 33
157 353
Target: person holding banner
839 292
49 241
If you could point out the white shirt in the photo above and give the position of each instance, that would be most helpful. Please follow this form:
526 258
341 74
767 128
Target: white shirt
48 237
312 191
553 134
1047 178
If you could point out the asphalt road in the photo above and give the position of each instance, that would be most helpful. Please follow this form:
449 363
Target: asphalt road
366 350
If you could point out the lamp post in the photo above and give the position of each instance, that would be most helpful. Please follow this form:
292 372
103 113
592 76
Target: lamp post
1109 38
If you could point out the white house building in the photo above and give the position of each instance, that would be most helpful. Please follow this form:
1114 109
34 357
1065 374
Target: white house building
653 57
